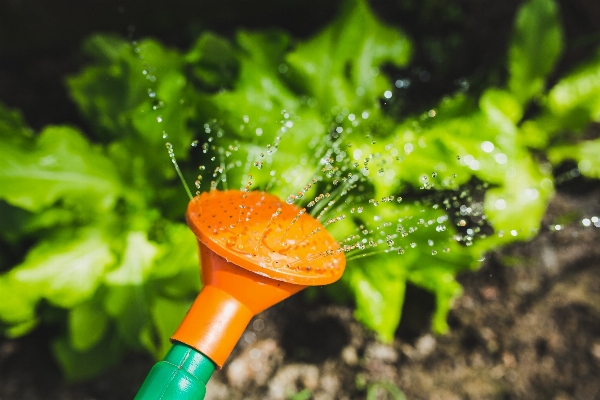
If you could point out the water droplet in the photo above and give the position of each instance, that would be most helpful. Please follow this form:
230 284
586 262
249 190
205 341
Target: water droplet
159 119
195 143
413 245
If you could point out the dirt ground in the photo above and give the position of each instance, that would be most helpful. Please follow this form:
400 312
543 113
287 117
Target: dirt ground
527 327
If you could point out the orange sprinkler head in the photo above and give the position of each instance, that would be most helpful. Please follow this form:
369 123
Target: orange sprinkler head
255 250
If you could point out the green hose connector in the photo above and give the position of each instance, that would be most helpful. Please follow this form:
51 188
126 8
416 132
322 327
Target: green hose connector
181 375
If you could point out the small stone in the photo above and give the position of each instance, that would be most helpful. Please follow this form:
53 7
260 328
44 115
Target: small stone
216 390
330 384
509 360
381 352
595 350
489 293
425 345
255 364
286 379
349 355
467 302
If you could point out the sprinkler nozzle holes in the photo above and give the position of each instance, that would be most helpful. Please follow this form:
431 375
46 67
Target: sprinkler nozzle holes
274 238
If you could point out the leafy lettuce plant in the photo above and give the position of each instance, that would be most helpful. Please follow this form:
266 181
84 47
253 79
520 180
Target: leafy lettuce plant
108 258
104 251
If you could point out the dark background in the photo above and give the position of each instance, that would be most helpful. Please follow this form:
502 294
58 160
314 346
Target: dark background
40 41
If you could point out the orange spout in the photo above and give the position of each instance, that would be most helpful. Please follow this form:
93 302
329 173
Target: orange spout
255 251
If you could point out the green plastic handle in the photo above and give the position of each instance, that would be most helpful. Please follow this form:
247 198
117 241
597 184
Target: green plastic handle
181 375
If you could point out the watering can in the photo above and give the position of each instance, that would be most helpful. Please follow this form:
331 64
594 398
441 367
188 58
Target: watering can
255 251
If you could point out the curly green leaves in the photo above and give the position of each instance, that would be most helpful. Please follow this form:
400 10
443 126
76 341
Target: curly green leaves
58 165
340 66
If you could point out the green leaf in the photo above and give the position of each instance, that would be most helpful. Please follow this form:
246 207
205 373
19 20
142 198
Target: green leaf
262 118
378 285
517 203
18 306
586 154
167 120
515 209
536 44
214 62
387 387
79 365
136 261
127 79
440 280
501 105
129 307
12 127
176 272
340 66
167 315
106 48
67 269
13 224
259 96
60 165
179 252
128 291
87 325
575 100
423 252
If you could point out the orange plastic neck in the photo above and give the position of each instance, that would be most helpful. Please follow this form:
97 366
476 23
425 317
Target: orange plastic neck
231 296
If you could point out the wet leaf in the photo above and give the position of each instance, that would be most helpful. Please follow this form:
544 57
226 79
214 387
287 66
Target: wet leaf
586 154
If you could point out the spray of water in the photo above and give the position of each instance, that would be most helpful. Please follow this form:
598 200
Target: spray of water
338 188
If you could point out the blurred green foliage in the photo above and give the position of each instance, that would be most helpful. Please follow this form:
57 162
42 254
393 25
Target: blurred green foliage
101 215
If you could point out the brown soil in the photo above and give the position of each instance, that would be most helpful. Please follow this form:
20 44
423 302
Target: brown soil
527 327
